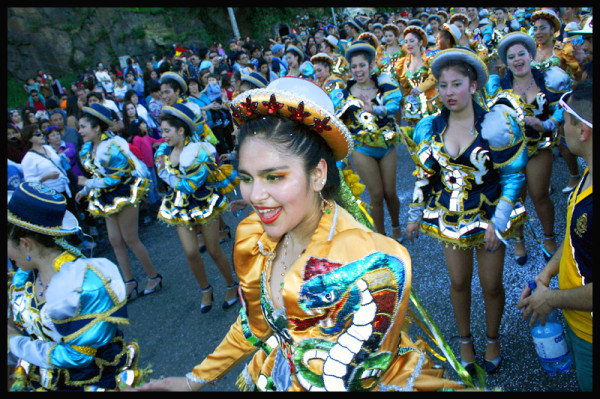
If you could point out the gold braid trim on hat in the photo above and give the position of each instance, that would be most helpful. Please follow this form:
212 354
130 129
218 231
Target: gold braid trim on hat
48 230
260 102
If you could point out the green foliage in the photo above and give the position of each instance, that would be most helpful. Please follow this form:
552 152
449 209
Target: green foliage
15 93
138 32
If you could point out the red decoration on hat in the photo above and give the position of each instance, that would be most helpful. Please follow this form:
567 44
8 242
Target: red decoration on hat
321 125
235 112
298 114
249 106
273 106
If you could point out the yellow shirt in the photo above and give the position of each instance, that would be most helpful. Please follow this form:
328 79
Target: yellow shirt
576 261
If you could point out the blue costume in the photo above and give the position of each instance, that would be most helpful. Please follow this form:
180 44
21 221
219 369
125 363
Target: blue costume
374 134
306 71
197 186
72 341
553 83
457 196
119 177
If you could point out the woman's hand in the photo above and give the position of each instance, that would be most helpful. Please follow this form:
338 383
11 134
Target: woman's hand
79 196
534 123
161 163
367 106
492 242
237 205
412 231
81 180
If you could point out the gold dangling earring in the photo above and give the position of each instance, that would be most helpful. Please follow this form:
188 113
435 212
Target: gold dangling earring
325 202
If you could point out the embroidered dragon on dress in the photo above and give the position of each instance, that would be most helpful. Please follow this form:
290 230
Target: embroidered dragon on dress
365 293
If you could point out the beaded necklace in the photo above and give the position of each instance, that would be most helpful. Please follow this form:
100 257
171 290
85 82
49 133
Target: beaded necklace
44 287
528 87
283 264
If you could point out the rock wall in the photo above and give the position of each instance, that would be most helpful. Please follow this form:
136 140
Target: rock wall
67 40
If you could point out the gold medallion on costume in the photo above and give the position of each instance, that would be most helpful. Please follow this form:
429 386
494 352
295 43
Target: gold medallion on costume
581 225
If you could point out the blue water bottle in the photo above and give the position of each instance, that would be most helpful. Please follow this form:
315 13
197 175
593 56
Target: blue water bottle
550 342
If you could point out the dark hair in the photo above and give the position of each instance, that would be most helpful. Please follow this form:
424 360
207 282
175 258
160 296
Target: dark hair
15 233
27 133
299 140
581 100
447 36
462 68
56 112
129 94
134 127
173 85
126 120
94 94
153 86
419 37
94 121
51 103
322 62
42 121
368 56
176 123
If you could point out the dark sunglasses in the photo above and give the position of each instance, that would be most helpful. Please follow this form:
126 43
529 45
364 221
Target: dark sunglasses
38 133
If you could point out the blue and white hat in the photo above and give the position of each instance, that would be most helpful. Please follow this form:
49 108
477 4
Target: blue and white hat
296 50
516 37
99 111
465 55
255 78
183 112
175 77
38 208
359 46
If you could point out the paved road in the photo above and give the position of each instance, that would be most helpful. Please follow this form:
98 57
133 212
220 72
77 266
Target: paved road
174 336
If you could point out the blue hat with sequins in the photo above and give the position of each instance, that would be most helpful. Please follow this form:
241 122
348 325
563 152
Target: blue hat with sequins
99 111
36 207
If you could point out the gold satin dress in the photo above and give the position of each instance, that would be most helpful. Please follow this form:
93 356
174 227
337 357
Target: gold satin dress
345 301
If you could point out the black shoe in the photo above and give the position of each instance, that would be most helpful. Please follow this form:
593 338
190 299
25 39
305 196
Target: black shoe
157 287
231 302
491 366
228 230
134 283
206 308
469 366
521 260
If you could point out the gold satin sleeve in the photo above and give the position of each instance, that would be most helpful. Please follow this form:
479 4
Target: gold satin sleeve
401 76
569 62
235 347
231 351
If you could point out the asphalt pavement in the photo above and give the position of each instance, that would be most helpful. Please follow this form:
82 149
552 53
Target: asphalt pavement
174 336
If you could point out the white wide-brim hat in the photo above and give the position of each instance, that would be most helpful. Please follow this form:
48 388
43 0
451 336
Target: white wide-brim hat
300 100
516 37
461 54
